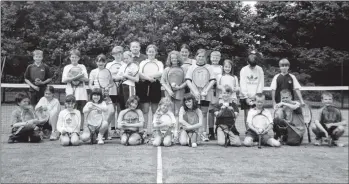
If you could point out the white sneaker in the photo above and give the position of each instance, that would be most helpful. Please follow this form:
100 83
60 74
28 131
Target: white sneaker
204 137
318 142
194 145
100 139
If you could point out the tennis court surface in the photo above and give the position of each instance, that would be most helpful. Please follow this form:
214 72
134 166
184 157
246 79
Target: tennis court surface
48 162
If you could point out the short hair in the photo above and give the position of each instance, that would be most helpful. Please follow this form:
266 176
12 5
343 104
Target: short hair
50 89
97 91
37 52
136 42
285 91
200 51
179 58
165 101
228 61
20 96
132 99
152 46
188 97
284 60
185 46
217 53
70 98
260 95
227 89
328 94
75 52
252 57
101 57
117 49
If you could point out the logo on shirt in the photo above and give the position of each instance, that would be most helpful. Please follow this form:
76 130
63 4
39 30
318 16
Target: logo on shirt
290 81
252 78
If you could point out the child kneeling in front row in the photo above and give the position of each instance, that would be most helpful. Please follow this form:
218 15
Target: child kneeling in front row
69 122
252 133
226 113
130 121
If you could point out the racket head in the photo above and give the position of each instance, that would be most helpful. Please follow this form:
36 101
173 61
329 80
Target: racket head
131 117
227 80
27 115
132 68
201 77
260 122
43 115
71 122
165 118
104 77
175 75
150 68
307 114
73 72
331 114
94 118
191 117
114 68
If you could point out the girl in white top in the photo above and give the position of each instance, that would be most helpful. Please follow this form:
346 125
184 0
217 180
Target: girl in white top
80 92
230 80
187 62
159 126
151 82
50 105
96 102
69 133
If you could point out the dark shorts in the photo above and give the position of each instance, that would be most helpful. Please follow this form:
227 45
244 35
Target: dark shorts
35 96
244 105
80 104
154 95
254 136
204 103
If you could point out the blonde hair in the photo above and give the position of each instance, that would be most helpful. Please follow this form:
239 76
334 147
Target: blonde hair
179 58
217 53
152 46
37 52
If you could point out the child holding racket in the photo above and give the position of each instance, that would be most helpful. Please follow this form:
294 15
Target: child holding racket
164 123
75 75
200 79
101 78
96 103
150 72
228 78
329 123
130 121
190 120
226 112
252 132
37 76
217 69
51 107
288 113
69 122
251 83
187 62
24 122
285 80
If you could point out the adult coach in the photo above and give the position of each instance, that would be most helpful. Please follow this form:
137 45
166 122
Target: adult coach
251 83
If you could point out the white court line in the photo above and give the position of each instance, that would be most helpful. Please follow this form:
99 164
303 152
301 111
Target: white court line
159 167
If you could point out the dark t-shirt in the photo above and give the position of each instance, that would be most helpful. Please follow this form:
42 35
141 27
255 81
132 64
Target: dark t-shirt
41 72
227 116
283 82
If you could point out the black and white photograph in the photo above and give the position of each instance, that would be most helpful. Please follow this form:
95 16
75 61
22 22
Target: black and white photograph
174 91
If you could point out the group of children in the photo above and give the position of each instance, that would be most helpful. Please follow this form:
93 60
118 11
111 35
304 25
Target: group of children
183 115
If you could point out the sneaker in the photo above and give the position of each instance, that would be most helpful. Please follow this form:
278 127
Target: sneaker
338 144
100 139
115 133
11 140
204 137
54 136
194 145
318 142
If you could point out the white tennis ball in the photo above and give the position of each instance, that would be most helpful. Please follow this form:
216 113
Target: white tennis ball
173 84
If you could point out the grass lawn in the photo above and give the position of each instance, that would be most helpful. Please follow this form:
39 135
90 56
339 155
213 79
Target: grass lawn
48 162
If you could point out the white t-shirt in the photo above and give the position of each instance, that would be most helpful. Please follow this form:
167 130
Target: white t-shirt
159 63
121 72
70 128
53 106
251 81
233 82
80 92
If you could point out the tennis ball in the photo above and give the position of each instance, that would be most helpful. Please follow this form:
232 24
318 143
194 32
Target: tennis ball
173 84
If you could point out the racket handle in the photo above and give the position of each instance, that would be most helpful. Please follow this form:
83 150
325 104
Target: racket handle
259 141
309 138
148 90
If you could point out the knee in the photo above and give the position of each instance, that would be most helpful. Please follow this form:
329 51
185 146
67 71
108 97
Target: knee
134 139
167 141
157 141
183 140
123 139
274 143
85 136
64 140
340 129
220 140
75 140
248 141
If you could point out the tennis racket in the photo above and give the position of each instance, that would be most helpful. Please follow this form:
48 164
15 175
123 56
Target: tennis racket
227 79
131 117
330 114
131 69
150 69
26 115
71 122
175 76
73 72
94 121
307 116
260 122
104 77
114 69
201 78
165 130
192 118
43 115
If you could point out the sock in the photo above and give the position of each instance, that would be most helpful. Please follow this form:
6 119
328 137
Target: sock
211 131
